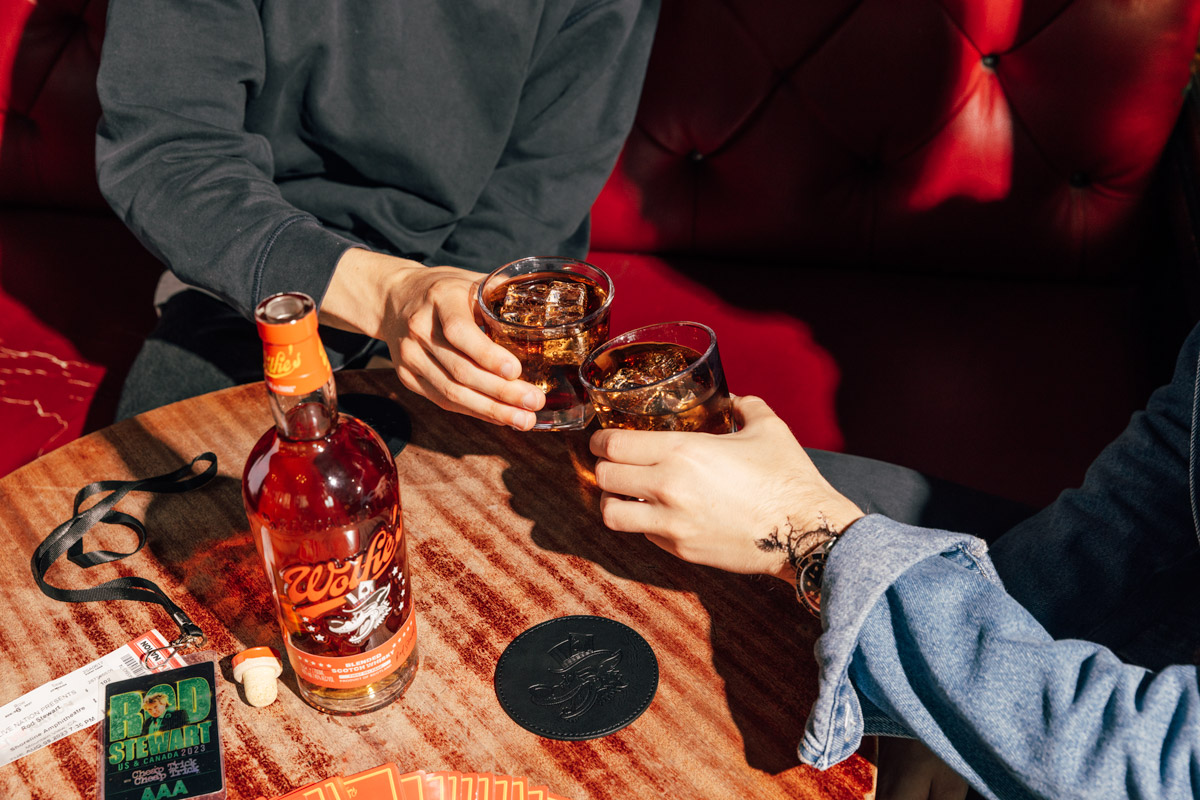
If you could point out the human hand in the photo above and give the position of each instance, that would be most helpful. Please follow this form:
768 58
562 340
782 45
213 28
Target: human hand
908 770
734 501
427 318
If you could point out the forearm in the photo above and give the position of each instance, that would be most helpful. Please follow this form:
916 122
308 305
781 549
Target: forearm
362 286
946 654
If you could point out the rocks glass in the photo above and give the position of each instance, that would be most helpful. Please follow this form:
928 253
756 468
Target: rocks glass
664 377
550 313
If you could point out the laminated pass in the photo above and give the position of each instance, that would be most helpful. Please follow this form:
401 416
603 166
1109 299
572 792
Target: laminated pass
161 736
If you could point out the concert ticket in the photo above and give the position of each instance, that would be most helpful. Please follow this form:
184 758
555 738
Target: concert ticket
71 703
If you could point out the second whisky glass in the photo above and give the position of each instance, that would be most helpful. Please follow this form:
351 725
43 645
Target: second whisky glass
664 377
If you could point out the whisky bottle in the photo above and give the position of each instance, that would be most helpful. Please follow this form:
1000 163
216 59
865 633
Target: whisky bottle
323 501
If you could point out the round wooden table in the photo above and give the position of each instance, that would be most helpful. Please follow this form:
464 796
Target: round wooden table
503 531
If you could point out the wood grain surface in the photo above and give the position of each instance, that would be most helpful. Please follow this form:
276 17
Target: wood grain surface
503 532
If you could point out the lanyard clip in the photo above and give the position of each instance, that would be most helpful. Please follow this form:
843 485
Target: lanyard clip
190 639
190 636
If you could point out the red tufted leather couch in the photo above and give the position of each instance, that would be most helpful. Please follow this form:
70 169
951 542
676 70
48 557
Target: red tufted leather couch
938 233
76 288
956 235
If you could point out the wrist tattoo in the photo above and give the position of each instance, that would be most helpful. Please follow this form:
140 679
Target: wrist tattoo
806 553
796 544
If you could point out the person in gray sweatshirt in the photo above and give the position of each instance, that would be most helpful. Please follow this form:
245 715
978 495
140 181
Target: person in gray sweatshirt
375 155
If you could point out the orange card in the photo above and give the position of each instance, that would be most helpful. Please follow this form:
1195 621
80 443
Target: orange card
483 786
378 783
335 789
449 784
499 787
516 788
412 786
330 789
466 787
536 793
435 787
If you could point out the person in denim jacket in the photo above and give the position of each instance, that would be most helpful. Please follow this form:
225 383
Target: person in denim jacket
1056 662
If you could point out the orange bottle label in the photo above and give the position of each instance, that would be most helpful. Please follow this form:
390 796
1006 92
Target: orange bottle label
295 368
361 593
363 669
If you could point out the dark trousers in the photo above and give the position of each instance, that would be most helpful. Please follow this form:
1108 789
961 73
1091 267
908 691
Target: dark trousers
200 345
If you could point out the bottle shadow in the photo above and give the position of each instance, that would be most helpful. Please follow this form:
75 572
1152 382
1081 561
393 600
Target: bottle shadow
204 557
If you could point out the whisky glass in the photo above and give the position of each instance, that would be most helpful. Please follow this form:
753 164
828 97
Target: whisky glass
549 312
663 377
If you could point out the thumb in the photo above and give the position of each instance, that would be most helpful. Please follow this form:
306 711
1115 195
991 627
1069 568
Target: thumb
750 410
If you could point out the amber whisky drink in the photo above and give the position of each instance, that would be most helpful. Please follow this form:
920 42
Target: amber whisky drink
664 377
323 501
549 313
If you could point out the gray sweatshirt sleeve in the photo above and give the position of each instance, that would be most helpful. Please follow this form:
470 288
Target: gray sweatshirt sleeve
176 163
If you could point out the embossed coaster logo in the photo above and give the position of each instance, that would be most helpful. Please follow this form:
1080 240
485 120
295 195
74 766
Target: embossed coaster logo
585 676
576 677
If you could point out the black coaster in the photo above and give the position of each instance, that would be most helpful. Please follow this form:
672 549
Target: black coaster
578 677
387 417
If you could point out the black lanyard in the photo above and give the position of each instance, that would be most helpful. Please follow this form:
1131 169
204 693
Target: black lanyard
68 538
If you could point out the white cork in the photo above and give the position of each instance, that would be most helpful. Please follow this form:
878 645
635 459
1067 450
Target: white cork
257 670
260 685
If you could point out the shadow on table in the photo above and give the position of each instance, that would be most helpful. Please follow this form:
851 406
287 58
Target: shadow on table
208 561
761 639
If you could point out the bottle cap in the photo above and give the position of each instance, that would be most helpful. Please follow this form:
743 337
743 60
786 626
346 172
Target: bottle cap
294 361
286 318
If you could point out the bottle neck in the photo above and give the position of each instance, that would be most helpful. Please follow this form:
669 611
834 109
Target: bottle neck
305 417
297 372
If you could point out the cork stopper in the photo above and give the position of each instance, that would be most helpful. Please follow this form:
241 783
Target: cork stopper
257 670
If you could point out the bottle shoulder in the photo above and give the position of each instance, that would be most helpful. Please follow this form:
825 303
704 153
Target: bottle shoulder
347 473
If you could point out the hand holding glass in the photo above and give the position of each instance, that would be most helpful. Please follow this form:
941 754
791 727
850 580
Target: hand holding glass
549 313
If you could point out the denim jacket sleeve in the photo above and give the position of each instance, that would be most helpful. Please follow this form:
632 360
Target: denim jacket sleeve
922 640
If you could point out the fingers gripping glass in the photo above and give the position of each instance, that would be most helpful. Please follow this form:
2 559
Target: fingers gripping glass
549 313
